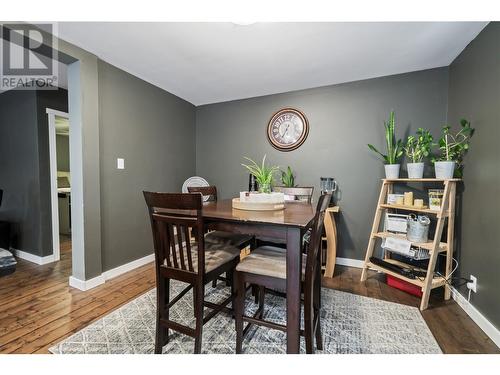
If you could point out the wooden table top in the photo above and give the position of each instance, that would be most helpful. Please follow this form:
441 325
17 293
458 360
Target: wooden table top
294 214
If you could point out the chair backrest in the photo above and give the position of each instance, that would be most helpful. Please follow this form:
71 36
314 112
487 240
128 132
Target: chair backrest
206 191
312 261
173 216
302 193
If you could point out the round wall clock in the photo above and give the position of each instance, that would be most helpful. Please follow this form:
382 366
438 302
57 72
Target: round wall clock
287 129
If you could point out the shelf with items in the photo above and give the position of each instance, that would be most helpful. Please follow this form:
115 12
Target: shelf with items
437 281
445 213
443 246
421 180
410 208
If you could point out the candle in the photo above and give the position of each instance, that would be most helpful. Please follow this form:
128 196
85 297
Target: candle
408 199
419 203
400 201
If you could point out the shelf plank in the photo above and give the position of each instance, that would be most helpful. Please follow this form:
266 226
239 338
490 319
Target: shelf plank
416 282
423 245
436 281
409 208
421 180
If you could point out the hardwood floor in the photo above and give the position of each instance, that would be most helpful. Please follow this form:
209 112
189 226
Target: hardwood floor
38 308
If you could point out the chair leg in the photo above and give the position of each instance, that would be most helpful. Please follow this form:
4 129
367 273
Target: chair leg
262 296
198 308
317 310
162 297
239 309
255 293
308 327
214 283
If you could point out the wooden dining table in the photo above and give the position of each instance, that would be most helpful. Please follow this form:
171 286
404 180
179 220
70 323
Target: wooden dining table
288 224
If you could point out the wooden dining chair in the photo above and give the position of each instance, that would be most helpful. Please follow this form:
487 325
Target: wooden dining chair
303 194
266 267
238 240
177 257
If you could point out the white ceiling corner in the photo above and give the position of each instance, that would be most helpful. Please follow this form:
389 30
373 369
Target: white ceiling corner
215 62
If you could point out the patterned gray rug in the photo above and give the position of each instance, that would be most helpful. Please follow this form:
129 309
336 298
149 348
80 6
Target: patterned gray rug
350 324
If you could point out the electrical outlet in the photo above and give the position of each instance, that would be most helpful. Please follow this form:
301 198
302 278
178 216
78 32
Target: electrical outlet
473 284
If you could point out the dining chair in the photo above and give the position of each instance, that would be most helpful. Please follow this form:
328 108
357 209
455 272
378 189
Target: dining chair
234 239
266 267
178 257
303 194
240 241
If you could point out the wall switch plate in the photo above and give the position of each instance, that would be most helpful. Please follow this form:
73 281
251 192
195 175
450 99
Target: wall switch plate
120 163
473 284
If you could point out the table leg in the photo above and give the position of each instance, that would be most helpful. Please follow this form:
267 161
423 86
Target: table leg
293 271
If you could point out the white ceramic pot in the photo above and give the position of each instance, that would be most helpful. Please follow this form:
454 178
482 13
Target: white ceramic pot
415 170
392 171
444 169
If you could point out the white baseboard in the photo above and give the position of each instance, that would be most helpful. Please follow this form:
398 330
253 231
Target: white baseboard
350 262
101 279
34 258
128 267
491 331
86 284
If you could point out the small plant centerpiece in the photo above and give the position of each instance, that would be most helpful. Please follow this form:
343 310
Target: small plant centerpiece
417 148
394 149
452 147
264 174
288 180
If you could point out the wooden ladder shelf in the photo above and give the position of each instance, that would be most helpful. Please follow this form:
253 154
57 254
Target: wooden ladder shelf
447 212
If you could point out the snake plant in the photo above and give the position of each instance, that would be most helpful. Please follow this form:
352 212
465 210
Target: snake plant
394 147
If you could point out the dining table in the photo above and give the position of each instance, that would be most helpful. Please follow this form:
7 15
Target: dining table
288 224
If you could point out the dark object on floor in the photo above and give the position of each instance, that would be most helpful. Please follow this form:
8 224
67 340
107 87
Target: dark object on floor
404 286
7 263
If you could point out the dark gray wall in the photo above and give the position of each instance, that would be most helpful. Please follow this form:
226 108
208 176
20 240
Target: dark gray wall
62 147
474 94
343 119
154 132
19 173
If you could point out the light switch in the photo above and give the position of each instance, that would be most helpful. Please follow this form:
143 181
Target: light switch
120 163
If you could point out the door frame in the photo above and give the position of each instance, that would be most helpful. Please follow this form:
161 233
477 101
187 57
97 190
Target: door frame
52 113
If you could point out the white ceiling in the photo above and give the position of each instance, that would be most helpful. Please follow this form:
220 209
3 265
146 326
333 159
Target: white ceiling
215 62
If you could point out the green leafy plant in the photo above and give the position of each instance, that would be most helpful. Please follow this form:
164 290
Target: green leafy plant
264 175
454 146
394 147
287 178
419 147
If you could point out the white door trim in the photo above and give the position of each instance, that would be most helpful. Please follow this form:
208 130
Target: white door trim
52 113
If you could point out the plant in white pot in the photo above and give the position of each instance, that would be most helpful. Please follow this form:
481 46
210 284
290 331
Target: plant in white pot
394 149
416 149
288 180
452 149
264 175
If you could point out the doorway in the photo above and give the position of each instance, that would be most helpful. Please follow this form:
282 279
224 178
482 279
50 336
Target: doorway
60 182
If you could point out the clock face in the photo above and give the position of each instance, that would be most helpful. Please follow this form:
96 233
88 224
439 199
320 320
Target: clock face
287 129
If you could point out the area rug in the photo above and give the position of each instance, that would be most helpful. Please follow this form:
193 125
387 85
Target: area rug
350 324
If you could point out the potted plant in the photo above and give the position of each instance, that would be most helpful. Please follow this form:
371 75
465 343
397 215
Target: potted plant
264 175
394 149
417 148
452 148
288 180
